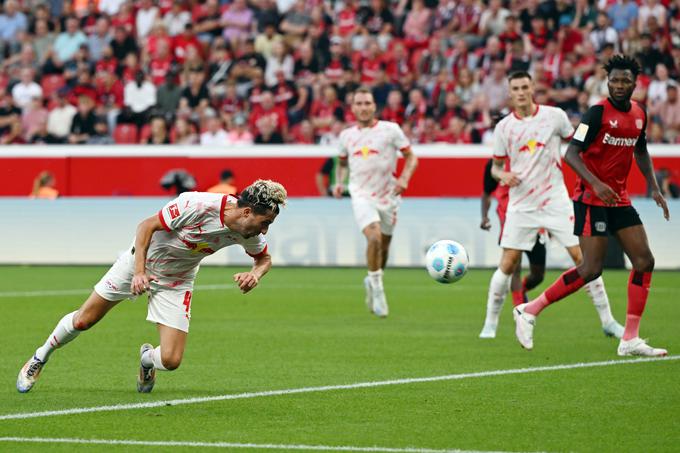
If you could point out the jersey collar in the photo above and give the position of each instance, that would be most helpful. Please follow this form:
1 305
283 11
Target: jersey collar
532 115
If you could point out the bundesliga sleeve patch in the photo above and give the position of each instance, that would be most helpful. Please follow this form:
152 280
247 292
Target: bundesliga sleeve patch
581 132
173 210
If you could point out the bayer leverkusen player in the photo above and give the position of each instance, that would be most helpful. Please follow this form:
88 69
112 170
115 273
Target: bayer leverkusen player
601 152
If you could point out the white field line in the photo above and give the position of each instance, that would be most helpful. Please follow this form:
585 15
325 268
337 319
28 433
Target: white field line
151 443
218 287
329 388
229 286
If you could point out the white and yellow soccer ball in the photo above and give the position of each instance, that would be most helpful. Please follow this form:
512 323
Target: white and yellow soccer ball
447 261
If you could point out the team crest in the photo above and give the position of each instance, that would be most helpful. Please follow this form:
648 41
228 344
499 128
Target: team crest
638 123
600 227
614 123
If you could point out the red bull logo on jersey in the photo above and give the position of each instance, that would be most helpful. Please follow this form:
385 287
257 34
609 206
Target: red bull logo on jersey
618 141
200 247
364 152
532 147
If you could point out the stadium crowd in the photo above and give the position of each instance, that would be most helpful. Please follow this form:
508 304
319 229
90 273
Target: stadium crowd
283 71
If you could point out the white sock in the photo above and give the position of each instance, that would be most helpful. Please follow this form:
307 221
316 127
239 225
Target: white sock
498 289
62 334
153 357
598 295
376 279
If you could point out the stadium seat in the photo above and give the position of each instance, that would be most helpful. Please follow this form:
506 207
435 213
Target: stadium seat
145 133
51 83
125 134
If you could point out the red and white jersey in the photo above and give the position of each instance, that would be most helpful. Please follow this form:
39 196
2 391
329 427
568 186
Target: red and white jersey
532 145
194 228
372 154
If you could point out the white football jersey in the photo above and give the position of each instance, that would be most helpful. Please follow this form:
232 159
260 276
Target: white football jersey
372 154
193 229
532 146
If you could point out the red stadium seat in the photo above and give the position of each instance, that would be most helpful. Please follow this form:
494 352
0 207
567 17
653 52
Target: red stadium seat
51 83
145 133
125 134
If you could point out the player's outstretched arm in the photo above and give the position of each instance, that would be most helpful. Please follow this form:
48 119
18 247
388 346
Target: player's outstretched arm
249 280
141 281
602 190
644 163
410 166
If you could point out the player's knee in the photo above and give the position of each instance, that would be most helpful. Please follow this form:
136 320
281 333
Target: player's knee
171 361
81 322
590 273
643 263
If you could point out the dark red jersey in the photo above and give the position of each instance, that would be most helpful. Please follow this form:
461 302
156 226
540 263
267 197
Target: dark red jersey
607 138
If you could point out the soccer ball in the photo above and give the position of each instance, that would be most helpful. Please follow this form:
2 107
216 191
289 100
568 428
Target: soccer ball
446 261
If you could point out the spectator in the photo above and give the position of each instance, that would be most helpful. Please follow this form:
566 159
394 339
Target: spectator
650 8
24 91
139 97
177 18
326 110
159 132
603 33
495 86
33 115
40 135
209 26
69 41
279 61
184 133
667 113
183 42
239 134
417 24
303 133
110 7
492 20
376 18
596 86
648 56
42 41
101 134
432 62
268 122
265 40
237 21
566 88
657 88
466 87
195 95
12 23
60 118
99 39
215 135
168 96
623 15
295 23
123 44
82 127
394 110
146 17
43 186
226 184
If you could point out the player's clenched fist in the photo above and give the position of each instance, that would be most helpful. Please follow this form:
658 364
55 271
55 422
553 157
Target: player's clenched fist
246 281
141 283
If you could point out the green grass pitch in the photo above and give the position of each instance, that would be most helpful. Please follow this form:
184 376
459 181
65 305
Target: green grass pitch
307 327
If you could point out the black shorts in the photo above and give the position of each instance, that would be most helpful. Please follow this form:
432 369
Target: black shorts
602 220
537 254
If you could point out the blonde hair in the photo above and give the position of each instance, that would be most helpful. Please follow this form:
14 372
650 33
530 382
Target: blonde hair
262 196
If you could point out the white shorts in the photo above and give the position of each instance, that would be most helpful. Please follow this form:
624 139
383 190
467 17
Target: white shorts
521 228
367 211
168 306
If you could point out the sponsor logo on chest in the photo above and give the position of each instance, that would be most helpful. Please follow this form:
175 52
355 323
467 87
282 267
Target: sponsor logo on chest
618 141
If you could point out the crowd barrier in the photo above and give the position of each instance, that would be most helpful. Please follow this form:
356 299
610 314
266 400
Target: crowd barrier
81 171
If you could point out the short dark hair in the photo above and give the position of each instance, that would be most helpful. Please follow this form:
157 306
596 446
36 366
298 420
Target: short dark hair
623 62
263 196
519 75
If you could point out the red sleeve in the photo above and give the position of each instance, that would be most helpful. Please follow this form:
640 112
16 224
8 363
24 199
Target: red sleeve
261 254
160 217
